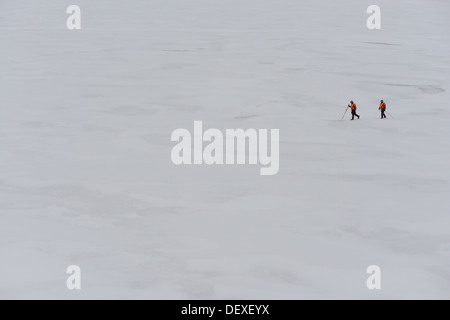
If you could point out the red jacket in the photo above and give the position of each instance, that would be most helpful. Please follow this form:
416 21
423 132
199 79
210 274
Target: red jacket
353 106
383 106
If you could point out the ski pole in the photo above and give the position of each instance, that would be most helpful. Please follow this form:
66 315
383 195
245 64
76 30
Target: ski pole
344 114
390 114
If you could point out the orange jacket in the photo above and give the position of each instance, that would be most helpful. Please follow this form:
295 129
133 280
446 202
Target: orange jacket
382 106
353 106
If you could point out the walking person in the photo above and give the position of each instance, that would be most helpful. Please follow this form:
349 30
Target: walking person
382 108
352 106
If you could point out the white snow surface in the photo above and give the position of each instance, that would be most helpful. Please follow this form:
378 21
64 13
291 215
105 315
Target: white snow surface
86 176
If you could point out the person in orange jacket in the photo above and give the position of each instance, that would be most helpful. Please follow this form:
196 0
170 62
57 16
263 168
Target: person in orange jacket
352 106
382 108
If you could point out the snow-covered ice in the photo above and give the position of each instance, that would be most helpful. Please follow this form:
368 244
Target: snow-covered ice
86 176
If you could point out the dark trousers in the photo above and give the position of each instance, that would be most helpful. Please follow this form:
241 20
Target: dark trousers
354 114
383 115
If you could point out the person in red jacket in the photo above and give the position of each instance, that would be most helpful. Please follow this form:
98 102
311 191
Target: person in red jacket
383 109
352 106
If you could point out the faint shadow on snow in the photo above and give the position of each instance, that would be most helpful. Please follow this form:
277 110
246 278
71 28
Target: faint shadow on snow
406 181
131 110
383 43
429 89
404 242
246 116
